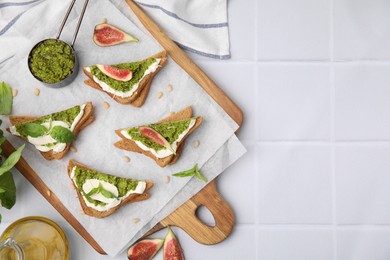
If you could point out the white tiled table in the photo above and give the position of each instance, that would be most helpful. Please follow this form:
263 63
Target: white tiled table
313 81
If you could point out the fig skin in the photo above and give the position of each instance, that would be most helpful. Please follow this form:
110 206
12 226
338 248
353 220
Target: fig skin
155 137
172 248
105 35
116 73
143 250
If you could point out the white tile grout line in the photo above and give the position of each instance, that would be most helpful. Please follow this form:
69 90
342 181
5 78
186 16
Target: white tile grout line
333 128
257 92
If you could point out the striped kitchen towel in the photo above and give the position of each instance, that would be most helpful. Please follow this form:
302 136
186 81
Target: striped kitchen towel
199 26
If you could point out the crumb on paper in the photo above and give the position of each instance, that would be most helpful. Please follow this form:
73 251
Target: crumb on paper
104 20
171 113
196 143
82 212
73 149
170 88
135 220
159 95
167 179
14 92
127 158
37 91
106 105
48 192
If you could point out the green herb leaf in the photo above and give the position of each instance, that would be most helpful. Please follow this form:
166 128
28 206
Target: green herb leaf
102 191
2 190
11 160
5 99
62 134
184 173
200 176
7 184
191 172
93 191
107 194
32 129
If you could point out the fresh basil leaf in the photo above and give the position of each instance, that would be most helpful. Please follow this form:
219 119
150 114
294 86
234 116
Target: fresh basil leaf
11 160
184 174
5 99
7 198
32 129
62 134
102 191
191 172
107 194
200 176
93 191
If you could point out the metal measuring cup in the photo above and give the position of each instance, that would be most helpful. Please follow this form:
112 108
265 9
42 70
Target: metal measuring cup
69 78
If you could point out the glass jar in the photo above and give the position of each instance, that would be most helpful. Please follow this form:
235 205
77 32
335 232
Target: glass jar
34 238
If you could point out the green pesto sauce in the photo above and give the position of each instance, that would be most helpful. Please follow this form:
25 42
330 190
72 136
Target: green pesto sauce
124 185
138 68
52 61
67 116
170 131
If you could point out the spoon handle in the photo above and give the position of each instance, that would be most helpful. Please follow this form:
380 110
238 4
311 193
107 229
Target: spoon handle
65 18
79 22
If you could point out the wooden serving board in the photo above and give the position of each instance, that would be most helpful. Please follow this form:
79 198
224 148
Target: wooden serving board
185 216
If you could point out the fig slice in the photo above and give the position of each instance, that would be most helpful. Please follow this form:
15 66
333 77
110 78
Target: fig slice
145 249
172 248
116 73
107 35
155 137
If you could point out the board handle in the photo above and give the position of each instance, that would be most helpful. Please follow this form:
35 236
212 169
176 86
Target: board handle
185 217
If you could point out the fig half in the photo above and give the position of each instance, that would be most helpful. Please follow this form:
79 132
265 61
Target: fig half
172 248
107 35
145 249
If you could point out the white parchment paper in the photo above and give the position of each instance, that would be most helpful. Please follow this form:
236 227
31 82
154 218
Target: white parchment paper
218 146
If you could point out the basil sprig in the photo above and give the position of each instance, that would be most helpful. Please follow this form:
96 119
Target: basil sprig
5 99
102 191
191 172
33 129
62 134
7 184
59 133
11 160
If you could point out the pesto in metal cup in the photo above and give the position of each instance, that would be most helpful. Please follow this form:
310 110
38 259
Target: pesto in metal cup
53 62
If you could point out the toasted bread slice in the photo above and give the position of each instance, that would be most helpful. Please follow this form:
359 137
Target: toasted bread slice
101 214
85 120
139 96
130 145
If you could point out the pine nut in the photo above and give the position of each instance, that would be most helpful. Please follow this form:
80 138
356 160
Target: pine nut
135 220
106 105
196 143
37 92
14 92
159 95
